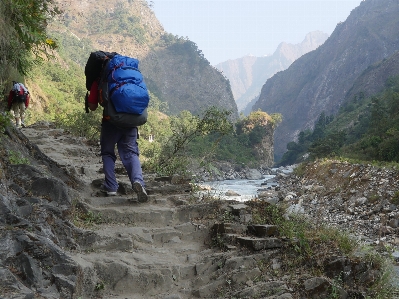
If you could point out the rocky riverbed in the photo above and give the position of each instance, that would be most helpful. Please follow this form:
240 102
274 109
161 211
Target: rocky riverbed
357 197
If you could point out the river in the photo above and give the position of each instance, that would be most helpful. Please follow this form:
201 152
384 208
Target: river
247 189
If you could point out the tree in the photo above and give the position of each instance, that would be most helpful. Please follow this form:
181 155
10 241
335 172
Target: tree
169 155
23 33
378 113
257 119
329 146
301 137
319 128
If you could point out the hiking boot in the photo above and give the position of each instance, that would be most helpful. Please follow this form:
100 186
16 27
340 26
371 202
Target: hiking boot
23 125
106 192
141 193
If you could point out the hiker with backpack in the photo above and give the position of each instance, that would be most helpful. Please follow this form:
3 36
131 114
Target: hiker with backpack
18 102
111 84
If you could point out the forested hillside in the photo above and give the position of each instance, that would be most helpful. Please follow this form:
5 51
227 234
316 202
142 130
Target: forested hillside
366 128
373 79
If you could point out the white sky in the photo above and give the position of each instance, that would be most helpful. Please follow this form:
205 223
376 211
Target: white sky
230 29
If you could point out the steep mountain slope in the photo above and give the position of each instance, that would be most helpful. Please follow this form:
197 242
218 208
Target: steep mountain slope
128 27
374 78
319 80
249 106
179 75
248 74
174 68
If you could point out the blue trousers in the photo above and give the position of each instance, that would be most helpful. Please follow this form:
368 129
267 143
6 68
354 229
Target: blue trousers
126 141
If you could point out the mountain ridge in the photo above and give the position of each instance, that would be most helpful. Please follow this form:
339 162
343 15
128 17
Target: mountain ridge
247 74
319 80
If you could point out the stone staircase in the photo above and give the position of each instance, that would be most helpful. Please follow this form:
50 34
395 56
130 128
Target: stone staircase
165 249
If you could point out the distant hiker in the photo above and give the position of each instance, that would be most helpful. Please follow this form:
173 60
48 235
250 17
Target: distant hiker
18 101
124 136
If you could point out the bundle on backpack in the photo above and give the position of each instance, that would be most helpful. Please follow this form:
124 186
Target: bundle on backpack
95 64
20 93
123 92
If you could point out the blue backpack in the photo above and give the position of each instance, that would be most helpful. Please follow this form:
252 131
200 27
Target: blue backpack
123 92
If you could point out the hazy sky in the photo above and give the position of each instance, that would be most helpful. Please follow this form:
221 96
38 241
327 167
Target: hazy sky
230 29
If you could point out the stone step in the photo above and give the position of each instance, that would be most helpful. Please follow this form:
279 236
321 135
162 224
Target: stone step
152 187
127 238
157 248
158 213
108 201
156 271
260 243
216 273
144 274
264 289
263 230
216 286
137 215
121 199
227 235
228 228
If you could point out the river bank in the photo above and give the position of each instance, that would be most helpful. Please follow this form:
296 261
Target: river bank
361 198
227 181
225 171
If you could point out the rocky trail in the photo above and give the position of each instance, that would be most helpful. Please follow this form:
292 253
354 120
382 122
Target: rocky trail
158 249
140 250
61 238
144 249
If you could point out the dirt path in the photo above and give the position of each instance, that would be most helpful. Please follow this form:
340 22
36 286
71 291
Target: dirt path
70 152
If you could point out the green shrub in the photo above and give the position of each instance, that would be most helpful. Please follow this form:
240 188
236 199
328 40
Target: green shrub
5 120
386 284
17 158
81 124
395 198
300 169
